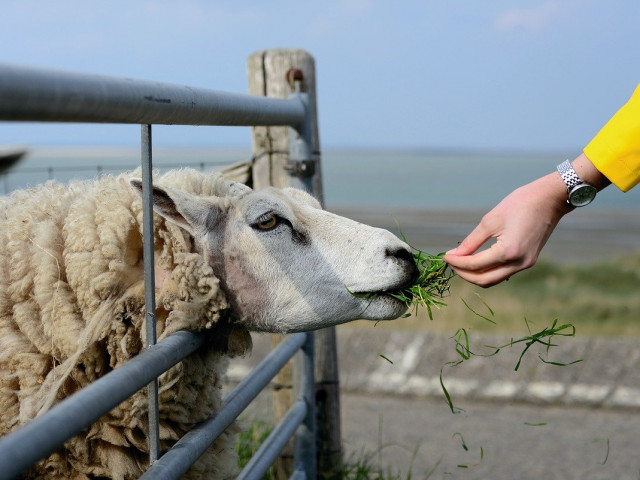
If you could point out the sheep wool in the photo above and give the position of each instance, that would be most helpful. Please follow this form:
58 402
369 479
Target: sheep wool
72 309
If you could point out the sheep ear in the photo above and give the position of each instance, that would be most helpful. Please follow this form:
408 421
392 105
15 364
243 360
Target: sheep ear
302 196
231 188
194 214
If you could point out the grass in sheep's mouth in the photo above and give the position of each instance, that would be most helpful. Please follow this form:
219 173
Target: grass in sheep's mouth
431 286
428 290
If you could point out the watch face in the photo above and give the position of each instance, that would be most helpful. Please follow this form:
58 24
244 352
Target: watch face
582 195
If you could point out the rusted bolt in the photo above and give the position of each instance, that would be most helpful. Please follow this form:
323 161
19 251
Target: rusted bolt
294 75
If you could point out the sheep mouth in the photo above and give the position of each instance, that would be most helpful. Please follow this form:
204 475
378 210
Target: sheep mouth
398 295
401 294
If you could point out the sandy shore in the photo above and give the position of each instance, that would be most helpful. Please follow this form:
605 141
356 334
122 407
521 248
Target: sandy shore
582 236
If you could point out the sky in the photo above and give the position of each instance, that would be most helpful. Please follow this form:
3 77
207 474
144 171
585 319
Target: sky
529 75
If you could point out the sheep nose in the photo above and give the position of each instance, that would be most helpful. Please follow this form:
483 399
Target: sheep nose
399 253
405 258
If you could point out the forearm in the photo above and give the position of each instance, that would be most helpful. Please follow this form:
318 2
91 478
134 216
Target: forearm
587 171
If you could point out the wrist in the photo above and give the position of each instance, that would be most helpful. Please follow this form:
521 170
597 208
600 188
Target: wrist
556 192
582 180
589 173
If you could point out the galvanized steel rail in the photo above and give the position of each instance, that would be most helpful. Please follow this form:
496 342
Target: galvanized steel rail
174 463
31 94
146 161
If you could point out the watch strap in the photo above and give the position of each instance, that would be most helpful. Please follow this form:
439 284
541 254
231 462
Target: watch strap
569 175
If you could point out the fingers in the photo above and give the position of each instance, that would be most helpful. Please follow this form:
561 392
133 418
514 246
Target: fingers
484 260
488 267
488 278
473 242
477 268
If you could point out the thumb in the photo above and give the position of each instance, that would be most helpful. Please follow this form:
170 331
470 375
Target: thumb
473 242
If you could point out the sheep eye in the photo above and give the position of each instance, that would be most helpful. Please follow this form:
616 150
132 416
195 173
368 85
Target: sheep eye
267 221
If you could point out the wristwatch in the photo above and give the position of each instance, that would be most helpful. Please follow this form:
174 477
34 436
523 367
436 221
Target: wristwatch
580 192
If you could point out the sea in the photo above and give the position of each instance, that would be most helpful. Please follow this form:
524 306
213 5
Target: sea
358 179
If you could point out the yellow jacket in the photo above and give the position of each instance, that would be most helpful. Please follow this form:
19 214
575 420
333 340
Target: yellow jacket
615 150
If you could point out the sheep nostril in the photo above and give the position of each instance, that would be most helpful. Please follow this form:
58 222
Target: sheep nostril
400 253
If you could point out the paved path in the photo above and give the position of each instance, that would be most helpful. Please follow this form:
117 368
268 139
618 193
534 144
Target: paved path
542 422
504 441
522 441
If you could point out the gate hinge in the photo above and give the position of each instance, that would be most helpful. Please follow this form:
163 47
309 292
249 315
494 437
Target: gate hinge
301 168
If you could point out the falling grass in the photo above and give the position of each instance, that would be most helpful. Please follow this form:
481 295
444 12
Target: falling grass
542 337
386 358
464 445
606 455
447 395
490 320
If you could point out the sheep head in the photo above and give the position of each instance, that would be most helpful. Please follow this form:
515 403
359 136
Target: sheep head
285 264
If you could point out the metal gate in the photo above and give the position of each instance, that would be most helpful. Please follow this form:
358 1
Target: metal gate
29 94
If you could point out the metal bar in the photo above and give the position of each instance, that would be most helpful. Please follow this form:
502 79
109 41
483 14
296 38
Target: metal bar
22 448
298 475
268 452
305 442
149 284
301 164
175 463
122 166
31 94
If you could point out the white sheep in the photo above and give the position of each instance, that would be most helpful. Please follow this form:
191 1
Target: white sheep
228 259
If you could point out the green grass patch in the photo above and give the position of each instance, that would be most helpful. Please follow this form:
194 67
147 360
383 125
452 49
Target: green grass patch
363 466
248 442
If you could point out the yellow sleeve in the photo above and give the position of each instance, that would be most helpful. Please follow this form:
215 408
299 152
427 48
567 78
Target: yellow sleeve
615 150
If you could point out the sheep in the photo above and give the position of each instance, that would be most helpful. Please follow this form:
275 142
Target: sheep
227 259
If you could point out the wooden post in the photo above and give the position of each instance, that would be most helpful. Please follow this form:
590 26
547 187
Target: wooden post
267 72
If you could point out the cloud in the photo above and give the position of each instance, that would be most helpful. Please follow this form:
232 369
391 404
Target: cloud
529 19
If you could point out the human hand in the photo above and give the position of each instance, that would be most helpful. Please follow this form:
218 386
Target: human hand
520 224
